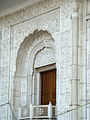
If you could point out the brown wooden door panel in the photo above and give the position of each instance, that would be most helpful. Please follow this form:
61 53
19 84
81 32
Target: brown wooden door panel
45 88
48 89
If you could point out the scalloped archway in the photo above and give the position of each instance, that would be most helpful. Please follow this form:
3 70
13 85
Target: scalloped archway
33 46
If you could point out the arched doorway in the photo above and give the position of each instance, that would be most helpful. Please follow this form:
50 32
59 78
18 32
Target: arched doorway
36 55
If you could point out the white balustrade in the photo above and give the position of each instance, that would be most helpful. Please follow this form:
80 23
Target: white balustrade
39 111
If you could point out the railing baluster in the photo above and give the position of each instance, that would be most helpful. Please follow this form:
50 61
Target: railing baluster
55 109
19 113
50 110
31 111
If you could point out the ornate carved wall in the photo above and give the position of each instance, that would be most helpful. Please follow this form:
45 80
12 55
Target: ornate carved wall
52 16
45 28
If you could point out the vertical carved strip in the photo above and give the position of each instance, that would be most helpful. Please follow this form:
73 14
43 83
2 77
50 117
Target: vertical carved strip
75 62
83 66
88 70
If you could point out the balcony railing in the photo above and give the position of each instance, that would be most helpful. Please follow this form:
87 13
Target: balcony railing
37 111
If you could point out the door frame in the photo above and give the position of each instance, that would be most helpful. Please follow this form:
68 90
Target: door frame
38 71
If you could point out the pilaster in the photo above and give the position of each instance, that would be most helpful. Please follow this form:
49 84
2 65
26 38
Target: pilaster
75 24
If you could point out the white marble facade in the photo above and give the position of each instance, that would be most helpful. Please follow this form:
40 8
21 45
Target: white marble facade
50 33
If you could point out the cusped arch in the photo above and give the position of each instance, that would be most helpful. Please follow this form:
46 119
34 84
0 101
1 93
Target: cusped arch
29 49
35 51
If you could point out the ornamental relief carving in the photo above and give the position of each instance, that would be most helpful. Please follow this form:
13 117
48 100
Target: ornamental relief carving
45 57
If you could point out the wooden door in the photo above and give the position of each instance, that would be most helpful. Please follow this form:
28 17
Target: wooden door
48 88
